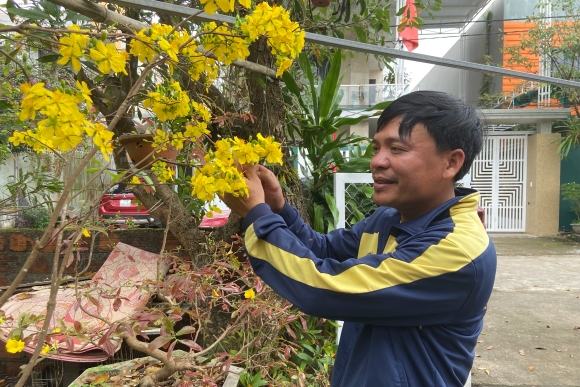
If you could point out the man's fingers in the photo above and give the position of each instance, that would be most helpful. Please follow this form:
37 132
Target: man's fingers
249 171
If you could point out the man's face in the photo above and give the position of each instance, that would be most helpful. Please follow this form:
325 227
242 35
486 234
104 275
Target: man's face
409 174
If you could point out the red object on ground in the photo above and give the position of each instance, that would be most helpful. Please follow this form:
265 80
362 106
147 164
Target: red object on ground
120 205
410 35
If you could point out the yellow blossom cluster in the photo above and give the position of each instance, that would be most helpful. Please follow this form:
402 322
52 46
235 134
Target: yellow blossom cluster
163 172
168 102
224 43
220 175
72 48
108 58
210 6
62 125
219 41
284 36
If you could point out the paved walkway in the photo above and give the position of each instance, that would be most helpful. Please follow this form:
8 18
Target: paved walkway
531 335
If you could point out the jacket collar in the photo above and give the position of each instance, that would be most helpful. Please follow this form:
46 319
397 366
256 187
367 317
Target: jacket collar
467 198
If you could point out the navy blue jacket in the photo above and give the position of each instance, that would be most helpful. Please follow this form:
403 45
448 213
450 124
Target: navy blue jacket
412 295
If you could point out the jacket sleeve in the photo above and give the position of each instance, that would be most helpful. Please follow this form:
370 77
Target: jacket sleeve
339 244
427 281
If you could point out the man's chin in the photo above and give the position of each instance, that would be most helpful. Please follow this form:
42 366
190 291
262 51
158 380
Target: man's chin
381 201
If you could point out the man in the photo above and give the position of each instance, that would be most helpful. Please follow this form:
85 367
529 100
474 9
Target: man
412 280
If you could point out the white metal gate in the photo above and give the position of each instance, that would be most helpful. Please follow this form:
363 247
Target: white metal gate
499 174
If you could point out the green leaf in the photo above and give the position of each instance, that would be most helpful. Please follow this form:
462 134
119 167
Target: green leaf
33 13
92 170
10 4
49 58
257 380
74 17
361 34
50 8
304 356
330 85
185 331
306 67
318 221
338 33
331 202
117 176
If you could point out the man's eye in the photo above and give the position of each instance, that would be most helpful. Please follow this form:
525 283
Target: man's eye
395 149
375 149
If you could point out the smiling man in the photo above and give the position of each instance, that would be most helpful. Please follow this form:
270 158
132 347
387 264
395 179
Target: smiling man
412 280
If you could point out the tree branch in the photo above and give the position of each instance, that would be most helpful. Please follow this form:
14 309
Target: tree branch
102 14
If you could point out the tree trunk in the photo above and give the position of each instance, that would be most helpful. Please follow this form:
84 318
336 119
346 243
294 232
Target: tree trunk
268 106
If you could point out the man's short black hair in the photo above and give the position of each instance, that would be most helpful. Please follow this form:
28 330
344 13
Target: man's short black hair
452 123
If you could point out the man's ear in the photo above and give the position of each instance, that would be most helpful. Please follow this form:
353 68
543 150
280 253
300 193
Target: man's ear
455 160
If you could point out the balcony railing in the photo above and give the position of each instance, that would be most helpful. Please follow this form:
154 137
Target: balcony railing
362 96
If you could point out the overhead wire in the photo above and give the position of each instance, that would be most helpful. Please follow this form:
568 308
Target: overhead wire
461 22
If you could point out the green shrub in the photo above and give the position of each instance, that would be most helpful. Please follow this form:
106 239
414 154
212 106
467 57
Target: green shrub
34 217
571 193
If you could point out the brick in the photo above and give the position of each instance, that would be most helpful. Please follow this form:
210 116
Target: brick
19 242
50 247
2 242
107 242
13 368
6 355
43 265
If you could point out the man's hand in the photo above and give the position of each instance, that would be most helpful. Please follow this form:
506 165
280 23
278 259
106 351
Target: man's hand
272 190
241 205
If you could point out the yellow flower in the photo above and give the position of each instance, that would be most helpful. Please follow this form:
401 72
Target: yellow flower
45 349
86 232
56 330
14 346
142 48
162 171
84 93
283 66
108 58
168 102
246 3
250 294
135 180
193 131
72 48
245 152
216 294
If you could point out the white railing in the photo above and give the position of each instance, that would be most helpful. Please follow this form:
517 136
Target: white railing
368 95
341 182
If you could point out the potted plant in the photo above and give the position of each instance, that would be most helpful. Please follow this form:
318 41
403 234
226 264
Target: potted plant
571 193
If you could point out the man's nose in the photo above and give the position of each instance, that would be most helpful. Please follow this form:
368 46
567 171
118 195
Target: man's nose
380 161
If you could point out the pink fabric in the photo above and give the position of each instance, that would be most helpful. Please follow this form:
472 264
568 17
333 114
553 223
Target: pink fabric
126 268
217 220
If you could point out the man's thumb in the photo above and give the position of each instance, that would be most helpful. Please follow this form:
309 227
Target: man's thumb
250 171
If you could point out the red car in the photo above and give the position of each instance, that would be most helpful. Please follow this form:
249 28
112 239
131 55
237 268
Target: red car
120 207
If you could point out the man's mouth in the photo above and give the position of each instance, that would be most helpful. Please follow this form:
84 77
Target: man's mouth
383 180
